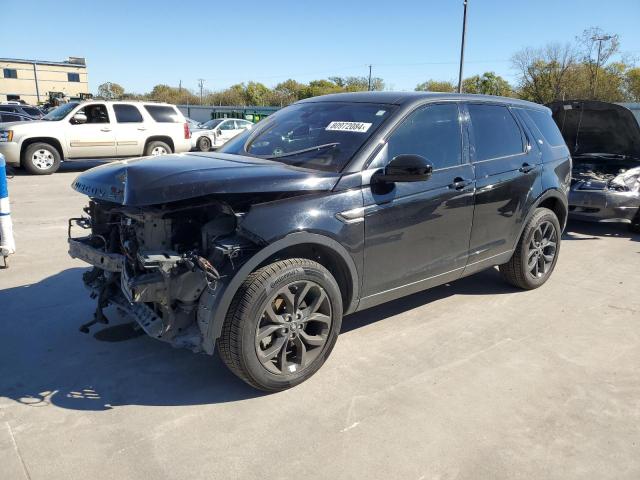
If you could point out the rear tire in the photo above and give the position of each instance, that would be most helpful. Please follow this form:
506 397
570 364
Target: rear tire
537 252
203 144
282 324
156 147
634 226
41 159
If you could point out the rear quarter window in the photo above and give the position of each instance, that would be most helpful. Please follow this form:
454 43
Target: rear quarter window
163 114
548 128
495 132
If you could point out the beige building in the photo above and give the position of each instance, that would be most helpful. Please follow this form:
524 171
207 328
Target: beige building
32 80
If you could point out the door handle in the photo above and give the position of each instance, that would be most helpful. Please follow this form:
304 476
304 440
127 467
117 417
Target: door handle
459 183
105 129
142 129
526 168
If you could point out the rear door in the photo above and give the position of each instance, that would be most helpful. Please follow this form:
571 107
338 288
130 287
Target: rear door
507 176
130 129
92 139
228 130
420 230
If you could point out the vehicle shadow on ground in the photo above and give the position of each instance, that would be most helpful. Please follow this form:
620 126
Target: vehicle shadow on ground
45 360
577 230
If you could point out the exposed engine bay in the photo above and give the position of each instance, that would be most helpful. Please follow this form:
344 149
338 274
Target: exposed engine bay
155 263
619 176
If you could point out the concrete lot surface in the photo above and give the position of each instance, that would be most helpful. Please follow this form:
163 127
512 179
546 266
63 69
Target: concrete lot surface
472 380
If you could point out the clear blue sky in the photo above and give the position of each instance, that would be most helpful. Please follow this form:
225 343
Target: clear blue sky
141 43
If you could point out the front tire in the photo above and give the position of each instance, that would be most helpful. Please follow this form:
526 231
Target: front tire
41 159
537 252
282 324
156 147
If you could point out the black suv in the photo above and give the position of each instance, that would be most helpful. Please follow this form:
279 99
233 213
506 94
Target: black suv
329 206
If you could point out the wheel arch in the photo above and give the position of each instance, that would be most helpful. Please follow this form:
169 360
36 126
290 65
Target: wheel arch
160 138
213 306
553 199
54 142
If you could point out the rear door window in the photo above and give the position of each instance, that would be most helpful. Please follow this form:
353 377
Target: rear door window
127 113
546 125
495 132
163 113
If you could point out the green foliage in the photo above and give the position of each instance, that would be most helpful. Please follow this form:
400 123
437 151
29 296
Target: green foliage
436 86
487 84
110 91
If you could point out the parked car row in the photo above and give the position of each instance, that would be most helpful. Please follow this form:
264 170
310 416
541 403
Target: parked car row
104 129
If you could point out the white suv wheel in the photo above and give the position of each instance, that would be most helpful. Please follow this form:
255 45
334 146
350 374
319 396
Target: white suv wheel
42 159
159 151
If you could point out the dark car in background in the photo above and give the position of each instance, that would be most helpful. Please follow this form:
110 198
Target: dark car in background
329 206
15 117
25 110
604 139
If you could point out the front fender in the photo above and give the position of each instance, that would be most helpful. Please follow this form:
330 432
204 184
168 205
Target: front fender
213 305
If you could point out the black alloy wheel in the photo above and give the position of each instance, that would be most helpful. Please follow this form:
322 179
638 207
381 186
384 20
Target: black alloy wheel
293 328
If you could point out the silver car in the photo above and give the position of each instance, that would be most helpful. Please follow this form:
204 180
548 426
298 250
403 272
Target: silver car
604 139
217 132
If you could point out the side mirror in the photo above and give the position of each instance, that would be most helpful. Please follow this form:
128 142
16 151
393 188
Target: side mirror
406 168
79 118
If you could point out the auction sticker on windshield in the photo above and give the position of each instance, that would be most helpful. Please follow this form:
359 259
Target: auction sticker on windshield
349 126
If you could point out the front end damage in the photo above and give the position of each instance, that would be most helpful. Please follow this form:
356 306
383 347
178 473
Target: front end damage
160 265
605 190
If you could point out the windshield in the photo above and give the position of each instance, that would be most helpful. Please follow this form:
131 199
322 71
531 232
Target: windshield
60 112
322 135
211 124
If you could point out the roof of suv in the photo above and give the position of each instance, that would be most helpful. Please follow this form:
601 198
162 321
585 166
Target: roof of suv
403 98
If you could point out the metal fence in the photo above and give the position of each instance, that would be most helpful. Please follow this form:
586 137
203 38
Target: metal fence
202 113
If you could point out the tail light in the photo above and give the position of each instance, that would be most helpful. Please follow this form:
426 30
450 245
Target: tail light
187 132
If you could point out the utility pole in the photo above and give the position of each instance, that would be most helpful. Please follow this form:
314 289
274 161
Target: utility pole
201 85
180 86
370 77
600 39
464 32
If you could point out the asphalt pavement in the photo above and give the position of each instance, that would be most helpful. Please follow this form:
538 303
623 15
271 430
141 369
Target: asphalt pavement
471 380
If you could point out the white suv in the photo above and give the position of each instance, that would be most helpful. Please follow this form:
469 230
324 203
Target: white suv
94 129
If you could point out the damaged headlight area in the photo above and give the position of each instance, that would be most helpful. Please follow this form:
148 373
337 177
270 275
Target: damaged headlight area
155 263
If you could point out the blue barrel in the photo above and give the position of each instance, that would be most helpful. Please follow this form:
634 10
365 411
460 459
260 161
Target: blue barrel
7 243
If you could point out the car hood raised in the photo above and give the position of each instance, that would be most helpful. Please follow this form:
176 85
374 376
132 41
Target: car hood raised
170 178
590 126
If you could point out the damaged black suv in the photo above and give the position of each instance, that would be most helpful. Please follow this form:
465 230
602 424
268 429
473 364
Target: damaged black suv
330 206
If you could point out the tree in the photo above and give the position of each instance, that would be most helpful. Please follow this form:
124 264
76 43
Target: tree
320 87
543 73
110 91
596 48
358 84
436 86
488 84
632 84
